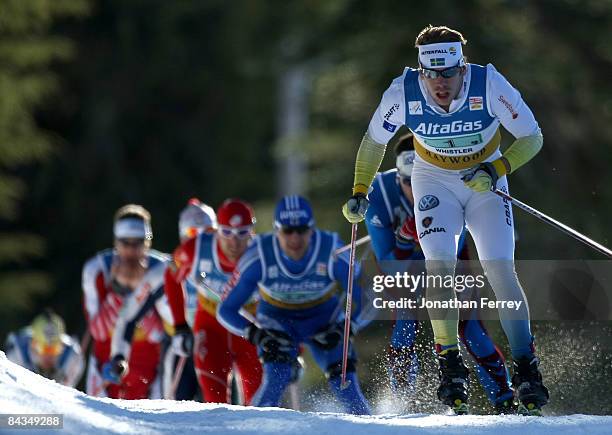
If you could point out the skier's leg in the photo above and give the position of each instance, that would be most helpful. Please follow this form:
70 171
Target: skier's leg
490 221
276 378
248 366
403 361
330 361
439 220
212 359
490 364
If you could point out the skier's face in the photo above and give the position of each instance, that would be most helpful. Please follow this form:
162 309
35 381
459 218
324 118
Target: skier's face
444 90
130 250
294 241
234 241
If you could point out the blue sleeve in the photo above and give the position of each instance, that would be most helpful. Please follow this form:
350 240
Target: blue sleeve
228 312
341 273
380 228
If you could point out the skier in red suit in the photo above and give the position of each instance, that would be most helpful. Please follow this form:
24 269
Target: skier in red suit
207 261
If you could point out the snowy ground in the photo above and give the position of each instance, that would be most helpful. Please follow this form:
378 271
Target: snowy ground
24 392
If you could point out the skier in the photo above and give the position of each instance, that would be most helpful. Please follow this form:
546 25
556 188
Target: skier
207 262
195 218
296 272
391 225
46 349
454 110
114 278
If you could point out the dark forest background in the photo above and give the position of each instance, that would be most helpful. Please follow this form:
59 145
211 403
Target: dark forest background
105 102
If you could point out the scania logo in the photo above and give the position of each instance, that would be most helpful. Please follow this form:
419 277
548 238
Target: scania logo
432 230
453 127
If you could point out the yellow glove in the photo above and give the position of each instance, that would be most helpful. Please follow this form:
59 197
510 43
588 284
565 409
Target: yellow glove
354 210
482 177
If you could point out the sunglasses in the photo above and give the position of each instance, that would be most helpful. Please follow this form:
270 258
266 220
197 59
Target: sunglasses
301 229
446 73
239 232
131 243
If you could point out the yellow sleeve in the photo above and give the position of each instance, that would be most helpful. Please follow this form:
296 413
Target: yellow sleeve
369 158
520 152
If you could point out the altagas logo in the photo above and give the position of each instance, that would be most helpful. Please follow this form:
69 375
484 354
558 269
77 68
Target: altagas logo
453 127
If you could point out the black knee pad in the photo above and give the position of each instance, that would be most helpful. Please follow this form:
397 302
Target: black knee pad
335 369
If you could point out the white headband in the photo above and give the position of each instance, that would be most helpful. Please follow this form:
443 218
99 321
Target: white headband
405 163
442 55
132 228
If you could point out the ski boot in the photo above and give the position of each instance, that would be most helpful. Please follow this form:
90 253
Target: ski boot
453 389
506 407
528 388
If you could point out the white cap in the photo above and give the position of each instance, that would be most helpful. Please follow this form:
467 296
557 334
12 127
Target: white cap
405 163
196 215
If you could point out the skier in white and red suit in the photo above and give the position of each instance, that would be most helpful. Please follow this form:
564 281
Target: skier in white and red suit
208 260
111 279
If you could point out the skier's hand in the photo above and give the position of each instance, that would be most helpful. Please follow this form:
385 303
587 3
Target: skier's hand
480 178
406 236
115 369
182 341
273 344
354 210
329 337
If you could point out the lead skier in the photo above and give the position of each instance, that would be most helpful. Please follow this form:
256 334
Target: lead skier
454 109
392 228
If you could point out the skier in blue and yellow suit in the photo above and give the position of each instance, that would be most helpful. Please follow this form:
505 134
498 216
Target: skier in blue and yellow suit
296 273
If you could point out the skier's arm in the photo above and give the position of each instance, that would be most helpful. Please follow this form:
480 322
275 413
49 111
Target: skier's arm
369 158
101 316
381 230
176 272
385 122
506 103
237 292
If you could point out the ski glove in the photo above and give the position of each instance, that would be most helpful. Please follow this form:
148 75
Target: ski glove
480 178
274 345
115 369
182 341
406 235
355 208
329 337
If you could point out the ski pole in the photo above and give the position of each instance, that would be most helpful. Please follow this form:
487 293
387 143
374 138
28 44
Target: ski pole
363 240
349 299
178 372
567 230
